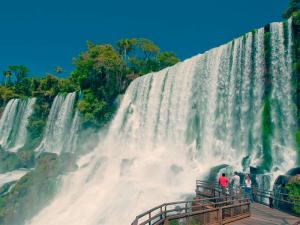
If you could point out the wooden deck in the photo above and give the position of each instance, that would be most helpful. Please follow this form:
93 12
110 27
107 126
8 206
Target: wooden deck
212 206
263 215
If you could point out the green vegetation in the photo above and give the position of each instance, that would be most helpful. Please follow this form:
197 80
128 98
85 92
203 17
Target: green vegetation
294 192
103 72
293 7
174 222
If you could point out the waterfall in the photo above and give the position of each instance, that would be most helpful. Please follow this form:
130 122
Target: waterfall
21 136
257 100
7 121
226 103
13 123
283 109
59 124
174 125
72 141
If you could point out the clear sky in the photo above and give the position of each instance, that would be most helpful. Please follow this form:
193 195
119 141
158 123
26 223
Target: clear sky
42 34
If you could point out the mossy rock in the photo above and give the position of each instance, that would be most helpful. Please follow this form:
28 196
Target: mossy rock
37 187
26 159
8 161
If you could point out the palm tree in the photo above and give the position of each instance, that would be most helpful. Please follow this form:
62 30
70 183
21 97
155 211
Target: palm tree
7 74
19 71
58 70
125 46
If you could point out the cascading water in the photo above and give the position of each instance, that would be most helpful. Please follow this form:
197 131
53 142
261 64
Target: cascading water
13 123
174 125
227 96
12 176
21 136
6 122
283 110
72 141
59 124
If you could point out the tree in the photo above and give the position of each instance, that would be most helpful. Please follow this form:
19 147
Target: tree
294 6
100 74
125 46
25 87
101 69
49 86
7 74
58 70
20 72
148 47
166 59
153 59
6 93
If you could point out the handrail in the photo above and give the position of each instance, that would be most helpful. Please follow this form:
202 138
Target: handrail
164 213
277 200
172 204
184 209
160 213
255 188
219 210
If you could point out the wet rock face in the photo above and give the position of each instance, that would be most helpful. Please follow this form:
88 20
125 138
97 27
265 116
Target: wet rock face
294 179
293 171
216 171
1 111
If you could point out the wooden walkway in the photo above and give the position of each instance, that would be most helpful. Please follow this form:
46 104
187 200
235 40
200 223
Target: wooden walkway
212 206
263 215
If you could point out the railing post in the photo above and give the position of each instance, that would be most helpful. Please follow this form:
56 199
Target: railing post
161 216
166 222
149 218
271 205
220 216
165 211
135 222
249 209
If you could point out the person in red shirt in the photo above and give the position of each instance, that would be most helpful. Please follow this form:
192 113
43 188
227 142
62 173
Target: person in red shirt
224 183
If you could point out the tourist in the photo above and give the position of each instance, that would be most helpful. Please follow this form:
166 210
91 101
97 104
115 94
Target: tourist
224 182
248 188
236 183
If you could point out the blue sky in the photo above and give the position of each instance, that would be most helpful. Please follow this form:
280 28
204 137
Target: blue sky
42 34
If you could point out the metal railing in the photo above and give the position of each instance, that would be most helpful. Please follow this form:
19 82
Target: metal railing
215 206
278 200
221 214
212 210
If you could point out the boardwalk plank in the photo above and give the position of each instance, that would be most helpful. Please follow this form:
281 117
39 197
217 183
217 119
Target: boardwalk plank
263 215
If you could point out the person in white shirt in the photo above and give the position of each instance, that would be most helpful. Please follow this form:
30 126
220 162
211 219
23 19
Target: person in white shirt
248 188
236 183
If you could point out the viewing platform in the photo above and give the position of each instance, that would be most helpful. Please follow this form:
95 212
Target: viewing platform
211 206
